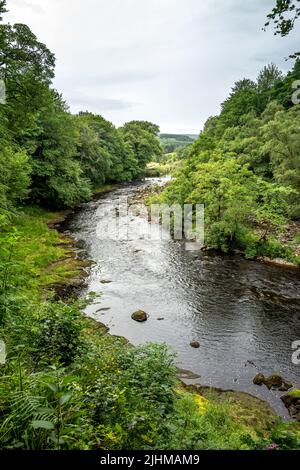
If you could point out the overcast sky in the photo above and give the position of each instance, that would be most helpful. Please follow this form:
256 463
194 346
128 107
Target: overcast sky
168 61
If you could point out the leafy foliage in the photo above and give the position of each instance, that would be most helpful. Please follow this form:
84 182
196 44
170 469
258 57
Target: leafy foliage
14 177
62 156
245 168
142 140
57 334
284 15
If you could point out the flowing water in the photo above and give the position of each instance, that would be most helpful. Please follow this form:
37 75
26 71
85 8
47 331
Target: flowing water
244 314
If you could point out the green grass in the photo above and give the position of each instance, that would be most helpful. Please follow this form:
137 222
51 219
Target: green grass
39 257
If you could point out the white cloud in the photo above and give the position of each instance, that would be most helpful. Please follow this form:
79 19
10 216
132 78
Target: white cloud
168 61
25 4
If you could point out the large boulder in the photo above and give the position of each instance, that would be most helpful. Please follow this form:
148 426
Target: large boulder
139 316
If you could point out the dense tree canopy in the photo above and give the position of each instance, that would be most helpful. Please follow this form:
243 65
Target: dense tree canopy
245 166
59 157
142 139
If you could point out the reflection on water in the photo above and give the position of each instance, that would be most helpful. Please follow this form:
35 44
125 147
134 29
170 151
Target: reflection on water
244 314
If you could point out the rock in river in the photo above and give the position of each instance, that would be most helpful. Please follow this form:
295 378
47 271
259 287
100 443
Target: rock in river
139 316
286 386
195 344
259 379
274 381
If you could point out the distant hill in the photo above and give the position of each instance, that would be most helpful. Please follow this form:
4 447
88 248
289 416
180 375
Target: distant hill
171 142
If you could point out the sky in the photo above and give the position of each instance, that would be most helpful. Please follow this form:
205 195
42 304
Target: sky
171 62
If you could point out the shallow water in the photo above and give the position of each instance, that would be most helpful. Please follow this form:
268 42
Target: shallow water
238 310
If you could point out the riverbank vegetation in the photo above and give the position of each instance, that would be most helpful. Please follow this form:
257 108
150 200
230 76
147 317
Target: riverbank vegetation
68 384
245 168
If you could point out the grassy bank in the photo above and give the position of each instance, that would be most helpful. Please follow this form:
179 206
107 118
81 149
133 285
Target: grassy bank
68 384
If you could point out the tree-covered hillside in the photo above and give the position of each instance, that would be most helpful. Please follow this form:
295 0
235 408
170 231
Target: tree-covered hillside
47 155
172 142
245 168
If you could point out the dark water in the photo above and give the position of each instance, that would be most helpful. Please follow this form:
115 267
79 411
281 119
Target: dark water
238 310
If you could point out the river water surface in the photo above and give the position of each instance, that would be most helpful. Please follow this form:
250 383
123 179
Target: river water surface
244 314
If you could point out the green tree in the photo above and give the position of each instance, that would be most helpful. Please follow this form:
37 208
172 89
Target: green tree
117 161
245 166
282 141
145 125
284 16
57 178
27 68
14 177
141 138
269 77
93 158
243 99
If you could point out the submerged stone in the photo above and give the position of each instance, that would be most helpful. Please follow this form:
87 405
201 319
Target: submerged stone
139 316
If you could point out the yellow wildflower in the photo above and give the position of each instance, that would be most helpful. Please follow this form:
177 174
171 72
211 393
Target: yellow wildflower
201 402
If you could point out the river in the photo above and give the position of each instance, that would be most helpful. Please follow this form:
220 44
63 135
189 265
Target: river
244 314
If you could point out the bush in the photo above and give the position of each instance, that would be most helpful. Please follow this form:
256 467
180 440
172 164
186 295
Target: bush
282 436
274 249
202 427
57 334
131 394
43 411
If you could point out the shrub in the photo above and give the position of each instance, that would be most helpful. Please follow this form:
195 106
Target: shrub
131 395
42 411
281 436
57 334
